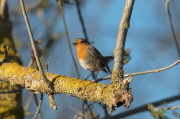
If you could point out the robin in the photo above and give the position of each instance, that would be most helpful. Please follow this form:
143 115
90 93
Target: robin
90 58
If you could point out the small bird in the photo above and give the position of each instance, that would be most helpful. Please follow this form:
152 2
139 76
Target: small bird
90 58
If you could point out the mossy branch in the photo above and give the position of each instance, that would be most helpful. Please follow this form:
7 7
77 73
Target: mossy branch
111 95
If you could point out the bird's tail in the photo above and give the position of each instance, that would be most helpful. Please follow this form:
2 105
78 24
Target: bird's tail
126 57
108 58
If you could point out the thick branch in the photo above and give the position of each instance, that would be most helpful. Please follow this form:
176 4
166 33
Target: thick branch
117 75
85 90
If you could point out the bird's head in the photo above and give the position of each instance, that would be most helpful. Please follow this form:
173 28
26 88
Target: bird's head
80 41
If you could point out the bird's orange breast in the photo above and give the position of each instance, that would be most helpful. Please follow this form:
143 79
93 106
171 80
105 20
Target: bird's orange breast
81 51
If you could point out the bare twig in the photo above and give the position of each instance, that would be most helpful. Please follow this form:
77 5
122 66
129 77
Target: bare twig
104 78
152 71
30 63
47 64
144 72
33 6
85 34
120 44
105 109
66 32
27 105
38 107
79 112
144 107
35 98
83 26
170 22
33 45
169 108
173 108
89 109
28 101
13 91
81 19
34 95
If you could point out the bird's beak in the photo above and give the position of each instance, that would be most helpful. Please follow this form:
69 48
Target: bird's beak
74 43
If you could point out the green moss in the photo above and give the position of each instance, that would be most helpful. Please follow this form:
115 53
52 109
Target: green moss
116 52
116 76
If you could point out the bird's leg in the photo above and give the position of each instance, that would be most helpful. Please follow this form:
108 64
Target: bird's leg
87 77
96 77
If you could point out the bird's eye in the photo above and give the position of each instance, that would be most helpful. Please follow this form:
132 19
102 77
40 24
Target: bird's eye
82 41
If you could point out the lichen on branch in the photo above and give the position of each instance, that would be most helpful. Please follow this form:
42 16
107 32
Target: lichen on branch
85 90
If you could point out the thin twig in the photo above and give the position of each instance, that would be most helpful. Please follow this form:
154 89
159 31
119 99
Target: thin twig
169 108
170 22
152 71
144 107
79 112
104 78
83 26
47 64
81 19
66 32
30 63
89 109
60 4
85 34
27 105
13 91
105 109
173 108
144 72
34 95
33 6
38 107
33 45
28 101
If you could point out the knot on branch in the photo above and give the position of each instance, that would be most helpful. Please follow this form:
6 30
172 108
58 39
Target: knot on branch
125 83
125 97
117 101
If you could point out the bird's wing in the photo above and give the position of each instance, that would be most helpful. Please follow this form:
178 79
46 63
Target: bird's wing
95 53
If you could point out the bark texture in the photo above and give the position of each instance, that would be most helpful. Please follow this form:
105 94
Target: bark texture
118 72
85 90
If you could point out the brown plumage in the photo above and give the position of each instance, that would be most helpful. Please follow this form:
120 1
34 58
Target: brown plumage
90 58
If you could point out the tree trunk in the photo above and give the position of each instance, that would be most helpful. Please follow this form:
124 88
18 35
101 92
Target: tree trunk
11 103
